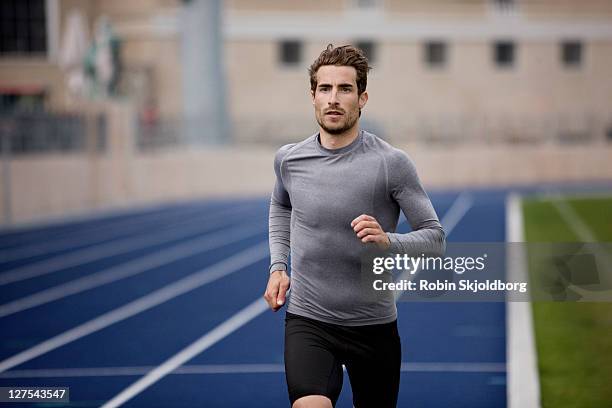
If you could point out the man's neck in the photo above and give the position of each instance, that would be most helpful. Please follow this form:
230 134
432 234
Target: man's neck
333 142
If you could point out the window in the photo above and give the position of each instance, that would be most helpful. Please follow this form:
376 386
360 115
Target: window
366 4
504 4
571 53
435 54
368 48
290 52
503 52
23 28
29 101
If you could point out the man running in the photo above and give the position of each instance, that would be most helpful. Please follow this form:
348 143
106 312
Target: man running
337 194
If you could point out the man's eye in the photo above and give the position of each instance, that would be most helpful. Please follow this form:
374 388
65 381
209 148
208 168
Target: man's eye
346 90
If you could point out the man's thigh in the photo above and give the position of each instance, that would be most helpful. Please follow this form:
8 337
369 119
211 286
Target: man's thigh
312 366
373 365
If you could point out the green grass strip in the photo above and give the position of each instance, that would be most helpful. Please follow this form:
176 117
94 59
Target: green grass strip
573 340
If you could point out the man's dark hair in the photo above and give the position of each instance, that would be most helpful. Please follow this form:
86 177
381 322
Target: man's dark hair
346 55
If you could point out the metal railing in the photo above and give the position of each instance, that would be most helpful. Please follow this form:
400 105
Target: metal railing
448 130
41 133
30 133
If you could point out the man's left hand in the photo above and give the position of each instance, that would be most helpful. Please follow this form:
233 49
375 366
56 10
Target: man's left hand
369 230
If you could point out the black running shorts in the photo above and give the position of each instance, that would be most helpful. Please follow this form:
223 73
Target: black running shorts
315 352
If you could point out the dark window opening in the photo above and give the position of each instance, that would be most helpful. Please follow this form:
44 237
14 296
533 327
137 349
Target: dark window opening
290 52
504 4
363 4
571 53
22 102
504 54
23 27
435 53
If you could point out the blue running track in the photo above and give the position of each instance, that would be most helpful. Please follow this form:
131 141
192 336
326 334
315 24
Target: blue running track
120 294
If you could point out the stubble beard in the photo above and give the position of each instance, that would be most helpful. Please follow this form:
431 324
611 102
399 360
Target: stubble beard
348 124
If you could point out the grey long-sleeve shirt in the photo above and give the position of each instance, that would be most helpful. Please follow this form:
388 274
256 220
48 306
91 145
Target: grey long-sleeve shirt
318 192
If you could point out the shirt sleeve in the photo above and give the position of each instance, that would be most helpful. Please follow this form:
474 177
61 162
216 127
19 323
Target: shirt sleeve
279 221
427 236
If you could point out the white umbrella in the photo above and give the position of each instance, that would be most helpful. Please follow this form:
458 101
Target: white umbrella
103 40
73 49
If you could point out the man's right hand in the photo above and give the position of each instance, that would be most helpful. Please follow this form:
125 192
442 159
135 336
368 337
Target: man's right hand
276 291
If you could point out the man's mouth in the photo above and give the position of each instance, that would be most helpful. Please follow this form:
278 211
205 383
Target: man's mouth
334 113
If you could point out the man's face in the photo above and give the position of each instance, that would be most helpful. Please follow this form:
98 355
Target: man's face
335 98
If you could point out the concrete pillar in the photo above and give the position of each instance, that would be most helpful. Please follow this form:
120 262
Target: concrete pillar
204 100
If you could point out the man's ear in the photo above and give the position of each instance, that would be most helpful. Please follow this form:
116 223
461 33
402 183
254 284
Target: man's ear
363 99
312 96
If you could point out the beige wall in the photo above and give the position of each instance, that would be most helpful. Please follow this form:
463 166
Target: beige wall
133 9
266 96
566 9
158 58
537 84
535 92
438 8
299 6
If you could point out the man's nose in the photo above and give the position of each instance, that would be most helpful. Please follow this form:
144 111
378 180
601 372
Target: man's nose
333 97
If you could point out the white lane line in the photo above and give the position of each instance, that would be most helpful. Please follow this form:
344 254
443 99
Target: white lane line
102 233
142 370
451 218
569 215
62 227
207 275
456 212
523 388
116 247
131 268
231 369
585 234
108 214
206 341
112 230
455 367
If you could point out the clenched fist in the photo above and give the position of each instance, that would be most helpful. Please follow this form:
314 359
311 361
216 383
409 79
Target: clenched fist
276 291
369 230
